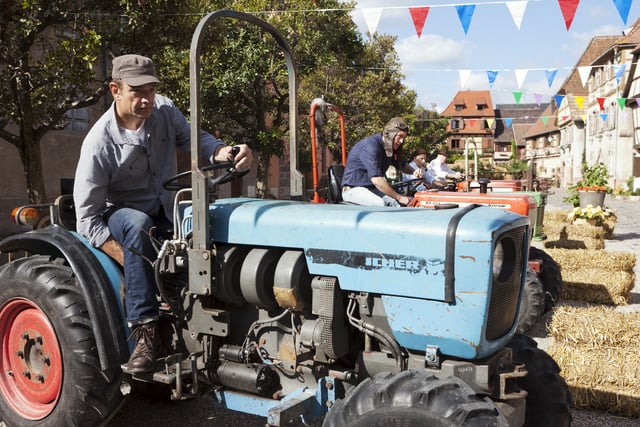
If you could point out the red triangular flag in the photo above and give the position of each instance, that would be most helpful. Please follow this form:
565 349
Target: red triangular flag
568 8
419 17
601 103
472 122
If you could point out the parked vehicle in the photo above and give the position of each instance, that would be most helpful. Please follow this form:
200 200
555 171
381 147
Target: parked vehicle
285 309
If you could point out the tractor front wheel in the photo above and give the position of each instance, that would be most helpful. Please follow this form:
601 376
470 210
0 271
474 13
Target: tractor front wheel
413 398
50 374
532 304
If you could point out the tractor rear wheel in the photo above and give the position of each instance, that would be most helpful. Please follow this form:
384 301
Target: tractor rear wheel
49 366
532 305
413 398
548 398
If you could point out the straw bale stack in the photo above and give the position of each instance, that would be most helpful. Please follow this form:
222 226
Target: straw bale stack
598 351
571 260
554 216
595 326
597 276
556 219
576 242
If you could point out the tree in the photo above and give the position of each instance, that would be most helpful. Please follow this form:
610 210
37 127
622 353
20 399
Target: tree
50 48
46 63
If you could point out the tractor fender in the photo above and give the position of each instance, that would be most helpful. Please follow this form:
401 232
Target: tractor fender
98 277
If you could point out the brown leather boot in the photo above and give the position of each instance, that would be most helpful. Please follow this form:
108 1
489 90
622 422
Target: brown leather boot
146 350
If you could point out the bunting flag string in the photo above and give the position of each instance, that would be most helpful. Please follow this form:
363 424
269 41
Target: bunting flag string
466 11
521 74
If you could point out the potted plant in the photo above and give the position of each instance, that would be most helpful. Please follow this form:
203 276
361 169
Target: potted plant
592 188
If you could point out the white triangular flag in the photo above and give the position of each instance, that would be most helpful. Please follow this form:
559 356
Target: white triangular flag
520 76
584 74
517 11
372 18
464 75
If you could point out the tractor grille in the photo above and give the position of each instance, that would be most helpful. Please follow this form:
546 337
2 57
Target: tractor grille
505 291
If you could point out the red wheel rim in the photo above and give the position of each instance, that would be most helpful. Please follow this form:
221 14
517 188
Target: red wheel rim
31 362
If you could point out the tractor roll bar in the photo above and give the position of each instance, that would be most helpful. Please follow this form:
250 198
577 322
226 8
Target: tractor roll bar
198 179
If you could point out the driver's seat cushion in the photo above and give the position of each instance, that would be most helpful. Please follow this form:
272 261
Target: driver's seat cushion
335 183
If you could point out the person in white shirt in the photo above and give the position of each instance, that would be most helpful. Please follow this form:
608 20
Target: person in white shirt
438 171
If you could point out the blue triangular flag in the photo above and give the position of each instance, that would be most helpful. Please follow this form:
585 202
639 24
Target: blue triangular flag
623 7
465 12
559 99
507 122
551 74
491 75
618 70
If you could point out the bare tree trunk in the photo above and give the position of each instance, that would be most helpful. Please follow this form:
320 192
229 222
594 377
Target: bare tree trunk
32 166
262 176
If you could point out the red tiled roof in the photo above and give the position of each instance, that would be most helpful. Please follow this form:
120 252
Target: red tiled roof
470 99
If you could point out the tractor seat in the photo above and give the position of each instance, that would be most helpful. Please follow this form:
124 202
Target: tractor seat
335 183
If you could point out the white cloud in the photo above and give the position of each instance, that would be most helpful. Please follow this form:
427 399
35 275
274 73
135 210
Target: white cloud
429 51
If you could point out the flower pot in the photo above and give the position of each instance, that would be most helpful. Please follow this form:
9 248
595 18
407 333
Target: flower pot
593 198
586 221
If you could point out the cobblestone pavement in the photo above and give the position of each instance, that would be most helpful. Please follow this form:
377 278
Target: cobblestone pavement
626 238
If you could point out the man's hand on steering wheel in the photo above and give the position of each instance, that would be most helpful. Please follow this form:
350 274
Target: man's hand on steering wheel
239 154
230 158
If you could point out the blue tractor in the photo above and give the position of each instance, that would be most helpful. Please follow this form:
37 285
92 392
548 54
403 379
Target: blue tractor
284 309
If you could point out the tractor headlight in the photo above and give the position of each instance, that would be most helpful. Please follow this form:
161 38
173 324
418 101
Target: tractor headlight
504 258
498 259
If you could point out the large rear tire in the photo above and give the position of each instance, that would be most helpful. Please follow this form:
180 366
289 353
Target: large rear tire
550 275
49 366
532 305
548 399
413 398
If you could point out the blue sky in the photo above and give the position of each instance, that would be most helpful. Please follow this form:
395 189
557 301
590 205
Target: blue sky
432 63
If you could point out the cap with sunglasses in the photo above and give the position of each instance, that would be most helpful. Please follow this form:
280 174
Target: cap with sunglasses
398 123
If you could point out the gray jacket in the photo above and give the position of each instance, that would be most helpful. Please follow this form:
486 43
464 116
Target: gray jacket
116 171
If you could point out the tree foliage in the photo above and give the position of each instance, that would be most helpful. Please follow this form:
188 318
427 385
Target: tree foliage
46 61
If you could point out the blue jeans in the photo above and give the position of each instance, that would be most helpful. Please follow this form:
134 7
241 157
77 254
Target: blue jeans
130 228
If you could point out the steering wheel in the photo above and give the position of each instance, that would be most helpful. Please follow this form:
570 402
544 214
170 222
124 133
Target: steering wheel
408 187
174 183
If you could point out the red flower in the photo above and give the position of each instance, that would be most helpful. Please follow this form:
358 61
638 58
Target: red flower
593 188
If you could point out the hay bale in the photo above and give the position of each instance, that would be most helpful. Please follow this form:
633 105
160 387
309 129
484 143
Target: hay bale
624 402
595 326
600 378
598 351
563 242
598 286
555 216
576 259
558 218
572 231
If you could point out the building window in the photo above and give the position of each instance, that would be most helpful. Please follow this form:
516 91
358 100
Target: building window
455 143
78 120
459 107
457 124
